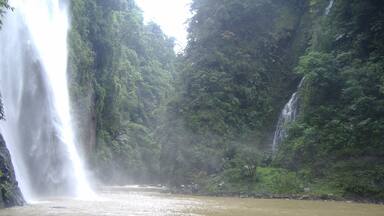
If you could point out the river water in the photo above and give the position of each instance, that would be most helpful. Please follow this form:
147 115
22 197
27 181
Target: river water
137 201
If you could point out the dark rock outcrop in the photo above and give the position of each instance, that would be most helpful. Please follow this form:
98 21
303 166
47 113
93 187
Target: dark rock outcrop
10 194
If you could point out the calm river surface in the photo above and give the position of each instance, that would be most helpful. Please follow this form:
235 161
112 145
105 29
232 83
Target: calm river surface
125 201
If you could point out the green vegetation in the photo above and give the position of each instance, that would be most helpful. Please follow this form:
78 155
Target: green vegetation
122 72
233 81
265 181
339 136
207 117
4 6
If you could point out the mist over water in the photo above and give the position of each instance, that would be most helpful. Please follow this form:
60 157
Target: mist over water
33 75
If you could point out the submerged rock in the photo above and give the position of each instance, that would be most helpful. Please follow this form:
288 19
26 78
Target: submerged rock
10 194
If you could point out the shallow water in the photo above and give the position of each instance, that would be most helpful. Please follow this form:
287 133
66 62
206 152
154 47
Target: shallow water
136 201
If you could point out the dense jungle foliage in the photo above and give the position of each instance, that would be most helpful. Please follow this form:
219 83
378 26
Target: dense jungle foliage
235 75
122 71
206 117
338 138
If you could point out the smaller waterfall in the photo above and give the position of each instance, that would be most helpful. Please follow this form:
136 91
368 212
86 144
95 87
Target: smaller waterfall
329 7
288 115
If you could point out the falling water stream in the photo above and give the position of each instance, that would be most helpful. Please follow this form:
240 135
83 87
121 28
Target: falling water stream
33 77
39 134
329 7
290 110
287 115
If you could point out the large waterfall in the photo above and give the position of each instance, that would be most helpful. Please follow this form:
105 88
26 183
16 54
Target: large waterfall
287 115
33 78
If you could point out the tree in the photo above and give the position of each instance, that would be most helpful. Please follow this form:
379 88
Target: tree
3 8
338 136
234 77
122 71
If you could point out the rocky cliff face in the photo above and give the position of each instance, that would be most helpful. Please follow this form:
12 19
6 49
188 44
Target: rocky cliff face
10 194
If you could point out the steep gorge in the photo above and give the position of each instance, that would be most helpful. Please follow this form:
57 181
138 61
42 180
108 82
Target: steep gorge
207 117
207 120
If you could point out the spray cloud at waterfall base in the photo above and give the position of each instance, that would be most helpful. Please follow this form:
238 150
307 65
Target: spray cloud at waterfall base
38 130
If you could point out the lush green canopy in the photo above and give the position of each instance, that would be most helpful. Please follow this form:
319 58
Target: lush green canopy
207 117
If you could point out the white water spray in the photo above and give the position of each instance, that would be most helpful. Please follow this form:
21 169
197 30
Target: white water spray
33 77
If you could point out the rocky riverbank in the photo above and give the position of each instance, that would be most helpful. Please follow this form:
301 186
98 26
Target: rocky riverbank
193 190
10 194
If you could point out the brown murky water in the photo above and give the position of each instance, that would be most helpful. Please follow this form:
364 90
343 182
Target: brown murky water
125 201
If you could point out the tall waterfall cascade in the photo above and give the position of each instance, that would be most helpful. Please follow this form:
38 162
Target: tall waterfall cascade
33 76
287 115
